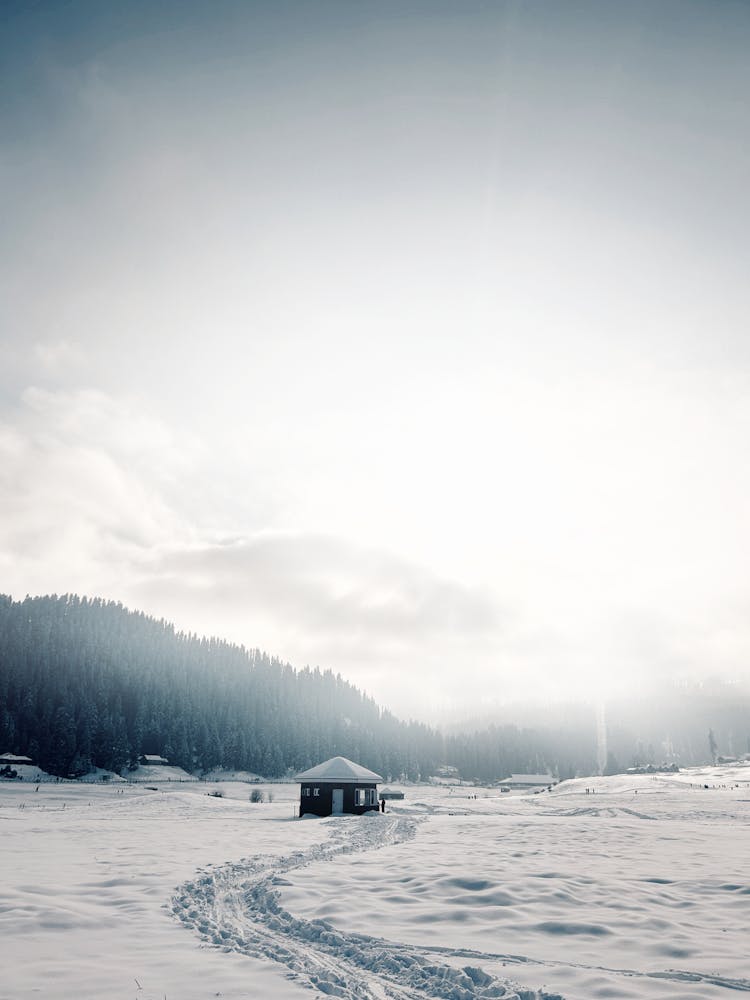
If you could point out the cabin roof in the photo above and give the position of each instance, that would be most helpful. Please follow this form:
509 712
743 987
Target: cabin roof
529 779
15 758
339 769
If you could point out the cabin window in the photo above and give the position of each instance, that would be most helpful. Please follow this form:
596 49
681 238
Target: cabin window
316 791
305 791
365 797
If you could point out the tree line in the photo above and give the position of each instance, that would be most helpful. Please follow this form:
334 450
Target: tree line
86 683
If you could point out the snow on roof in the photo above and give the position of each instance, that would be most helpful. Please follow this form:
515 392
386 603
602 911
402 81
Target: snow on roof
339 769
529 779
15 758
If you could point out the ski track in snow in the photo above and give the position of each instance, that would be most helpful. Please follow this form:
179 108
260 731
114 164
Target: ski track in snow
671 975
236 907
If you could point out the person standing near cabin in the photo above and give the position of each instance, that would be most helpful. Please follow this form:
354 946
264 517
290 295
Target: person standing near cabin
382 805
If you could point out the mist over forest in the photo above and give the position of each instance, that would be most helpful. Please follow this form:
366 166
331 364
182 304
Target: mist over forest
86 683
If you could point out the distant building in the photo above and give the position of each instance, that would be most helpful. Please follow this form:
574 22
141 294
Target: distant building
528 781
152 759
390 793
447 771
338 786
653 769
11 759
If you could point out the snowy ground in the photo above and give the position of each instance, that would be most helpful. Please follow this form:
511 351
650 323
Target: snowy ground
640 888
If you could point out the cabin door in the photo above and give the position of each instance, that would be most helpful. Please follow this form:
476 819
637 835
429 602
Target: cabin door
338 801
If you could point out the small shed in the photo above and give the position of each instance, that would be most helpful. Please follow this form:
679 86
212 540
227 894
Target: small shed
338 786
528 781
391 793
10 759
153 759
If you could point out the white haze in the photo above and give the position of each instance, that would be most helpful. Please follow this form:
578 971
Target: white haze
405 342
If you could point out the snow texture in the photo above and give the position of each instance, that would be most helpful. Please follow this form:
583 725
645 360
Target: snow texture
624 887
236 907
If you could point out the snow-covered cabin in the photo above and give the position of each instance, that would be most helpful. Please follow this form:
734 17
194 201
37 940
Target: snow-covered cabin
338 786
152 759
11 759
391 793
528 781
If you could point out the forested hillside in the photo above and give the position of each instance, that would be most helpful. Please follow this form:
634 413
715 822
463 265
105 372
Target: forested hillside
87 683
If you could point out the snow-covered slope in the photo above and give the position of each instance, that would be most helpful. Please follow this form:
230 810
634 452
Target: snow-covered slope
28 772
159 772
638 888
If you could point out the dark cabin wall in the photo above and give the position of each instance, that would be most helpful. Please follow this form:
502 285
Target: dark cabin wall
322 803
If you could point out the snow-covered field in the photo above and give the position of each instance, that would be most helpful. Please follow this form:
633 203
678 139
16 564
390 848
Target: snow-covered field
638 888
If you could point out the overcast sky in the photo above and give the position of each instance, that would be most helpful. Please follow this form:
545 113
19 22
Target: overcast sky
406 339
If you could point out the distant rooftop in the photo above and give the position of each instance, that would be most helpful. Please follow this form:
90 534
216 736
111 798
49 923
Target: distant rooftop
529 779
339 769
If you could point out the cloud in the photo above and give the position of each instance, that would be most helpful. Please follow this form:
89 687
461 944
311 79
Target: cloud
593 573
102 421
468 448
320 581
56 356
100 498
323 600
77 487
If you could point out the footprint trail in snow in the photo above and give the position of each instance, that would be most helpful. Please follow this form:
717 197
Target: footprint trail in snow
236 907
